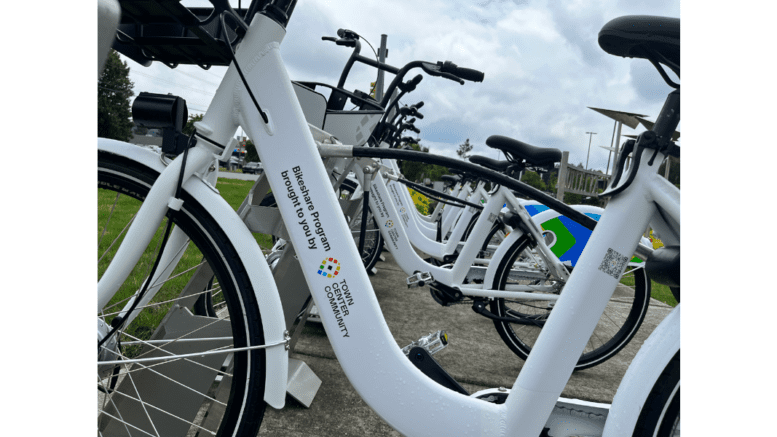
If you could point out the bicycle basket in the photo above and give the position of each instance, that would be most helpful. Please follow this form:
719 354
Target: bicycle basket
167 31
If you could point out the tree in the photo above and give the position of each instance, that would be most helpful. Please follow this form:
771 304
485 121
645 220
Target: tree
464 149
533 179
413 170
251 155
188 129
674 171
114 90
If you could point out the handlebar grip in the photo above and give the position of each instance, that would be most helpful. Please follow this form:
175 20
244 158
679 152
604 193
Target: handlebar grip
469 74
419 115
346 42
418 105
461 72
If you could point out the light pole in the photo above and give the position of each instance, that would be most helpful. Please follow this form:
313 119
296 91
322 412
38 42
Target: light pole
590 136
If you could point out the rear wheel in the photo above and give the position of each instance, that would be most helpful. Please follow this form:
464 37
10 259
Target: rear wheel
215 394
619 323
373 243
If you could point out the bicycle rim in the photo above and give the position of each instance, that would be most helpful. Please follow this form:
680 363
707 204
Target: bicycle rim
617 326
218 394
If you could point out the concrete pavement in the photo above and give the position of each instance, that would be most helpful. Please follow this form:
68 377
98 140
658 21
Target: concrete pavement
476 357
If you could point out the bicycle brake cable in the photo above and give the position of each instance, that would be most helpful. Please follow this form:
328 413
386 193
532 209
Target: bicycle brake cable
240 72
118 321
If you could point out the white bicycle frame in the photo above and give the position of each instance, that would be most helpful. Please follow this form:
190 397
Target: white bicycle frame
382 375
400 243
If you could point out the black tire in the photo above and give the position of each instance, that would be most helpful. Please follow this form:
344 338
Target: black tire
612 333
373 245
234 384
660 416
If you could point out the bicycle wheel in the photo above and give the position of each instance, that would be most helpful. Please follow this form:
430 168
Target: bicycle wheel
218 394
619 323
373 243
660 416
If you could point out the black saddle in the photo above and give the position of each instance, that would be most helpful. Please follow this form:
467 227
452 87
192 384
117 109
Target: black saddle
450 180
643 36
493 164
518 151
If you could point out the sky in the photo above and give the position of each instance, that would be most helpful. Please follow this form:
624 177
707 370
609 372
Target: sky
543 68
542 63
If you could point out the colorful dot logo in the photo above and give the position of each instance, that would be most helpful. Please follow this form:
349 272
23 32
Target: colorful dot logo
329 268
389 224
402 210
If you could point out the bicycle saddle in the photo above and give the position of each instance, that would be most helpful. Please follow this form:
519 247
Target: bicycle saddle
450 180
516 151
643 36
492 164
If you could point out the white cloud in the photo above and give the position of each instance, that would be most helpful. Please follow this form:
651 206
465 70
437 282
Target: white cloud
543 67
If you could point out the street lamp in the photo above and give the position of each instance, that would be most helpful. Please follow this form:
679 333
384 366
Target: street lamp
590 136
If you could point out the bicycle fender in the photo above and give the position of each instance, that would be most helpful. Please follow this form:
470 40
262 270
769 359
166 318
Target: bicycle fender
500 253
642 374
270 308
570 237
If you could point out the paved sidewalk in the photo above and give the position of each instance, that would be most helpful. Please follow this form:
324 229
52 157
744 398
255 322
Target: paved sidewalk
476 357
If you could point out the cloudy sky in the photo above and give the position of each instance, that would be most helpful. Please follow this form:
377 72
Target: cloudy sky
542 64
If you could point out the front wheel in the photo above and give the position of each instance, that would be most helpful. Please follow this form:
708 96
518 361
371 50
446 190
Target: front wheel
617 326
216 394
660 416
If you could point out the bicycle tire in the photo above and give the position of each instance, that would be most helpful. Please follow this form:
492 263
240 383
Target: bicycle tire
660 415
608 338
231 404
373 246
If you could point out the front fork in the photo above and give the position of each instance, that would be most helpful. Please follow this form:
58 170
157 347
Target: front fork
146 222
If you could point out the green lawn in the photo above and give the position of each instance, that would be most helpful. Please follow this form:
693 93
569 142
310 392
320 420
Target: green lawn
657 291
234 191
116 212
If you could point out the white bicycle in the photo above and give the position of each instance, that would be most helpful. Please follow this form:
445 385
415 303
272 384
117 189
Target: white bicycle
156 341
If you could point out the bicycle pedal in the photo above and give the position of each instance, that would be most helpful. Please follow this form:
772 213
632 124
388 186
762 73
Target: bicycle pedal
432 343
419 279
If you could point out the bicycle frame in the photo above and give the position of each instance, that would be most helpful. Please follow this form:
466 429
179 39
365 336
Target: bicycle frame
378 370
399 240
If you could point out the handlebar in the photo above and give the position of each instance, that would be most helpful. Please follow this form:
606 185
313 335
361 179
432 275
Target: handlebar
464 73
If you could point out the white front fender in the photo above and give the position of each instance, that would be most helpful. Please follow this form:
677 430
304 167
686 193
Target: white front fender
254 262
652 358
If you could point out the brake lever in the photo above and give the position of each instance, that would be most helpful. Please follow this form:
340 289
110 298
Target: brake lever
347 34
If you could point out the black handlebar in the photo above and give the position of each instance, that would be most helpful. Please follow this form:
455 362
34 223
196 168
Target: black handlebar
464 73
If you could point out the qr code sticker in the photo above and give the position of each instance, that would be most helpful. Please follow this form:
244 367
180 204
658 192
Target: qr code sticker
491 217
613 263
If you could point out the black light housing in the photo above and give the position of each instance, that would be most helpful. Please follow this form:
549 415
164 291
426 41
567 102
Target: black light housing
166 112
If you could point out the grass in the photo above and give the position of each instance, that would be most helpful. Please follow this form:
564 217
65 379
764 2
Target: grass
234 191
657 291
120 211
